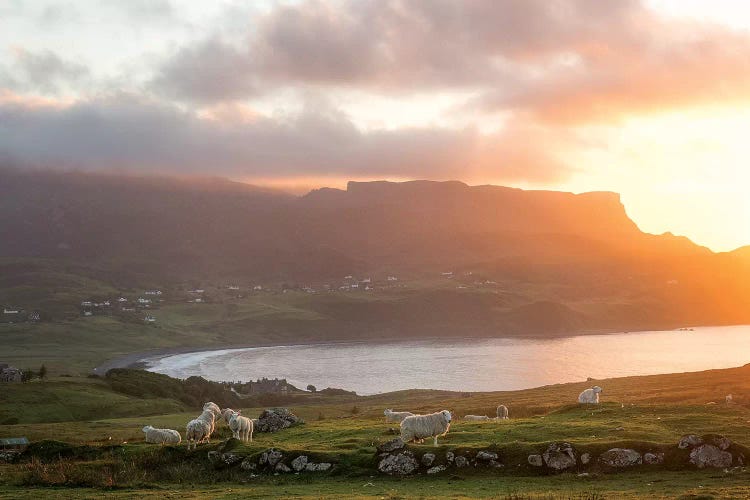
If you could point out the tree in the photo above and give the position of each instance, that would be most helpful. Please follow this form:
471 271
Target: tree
42 372
311 388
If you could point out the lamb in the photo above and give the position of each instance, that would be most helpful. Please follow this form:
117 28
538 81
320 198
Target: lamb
161 436
477 417
226 414
590 396
396 416
241 427
200 429
418 427
502 412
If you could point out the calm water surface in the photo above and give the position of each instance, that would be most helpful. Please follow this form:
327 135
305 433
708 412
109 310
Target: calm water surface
470 365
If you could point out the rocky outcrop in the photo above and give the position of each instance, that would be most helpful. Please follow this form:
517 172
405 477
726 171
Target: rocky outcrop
653 458
428 459
276 419
709 455
299 463
401 464
391 446
620 458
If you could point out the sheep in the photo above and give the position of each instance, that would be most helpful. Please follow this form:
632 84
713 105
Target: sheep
477 417
728 399
200 429
502 412
242 427
396 416
226 414
418 427
161 436
590 396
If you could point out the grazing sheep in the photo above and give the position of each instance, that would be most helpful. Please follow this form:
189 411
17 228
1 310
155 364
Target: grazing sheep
502 412
728 398
477 417
418 427
161 436
242 427
396 416
590 396
200 429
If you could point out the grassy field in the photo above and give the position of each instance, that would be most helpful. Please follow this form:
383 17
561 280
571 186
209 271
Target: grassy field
647 413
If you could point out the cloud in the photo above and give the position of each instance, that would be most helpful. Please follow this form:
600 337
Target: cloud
43 71
127 132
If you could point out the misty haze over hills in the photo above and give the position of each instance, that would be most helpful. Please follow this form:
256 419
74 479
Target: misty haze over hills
546 249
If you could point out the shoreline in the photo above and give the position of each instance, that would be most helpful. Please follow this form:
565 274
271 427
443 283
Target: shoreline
139 359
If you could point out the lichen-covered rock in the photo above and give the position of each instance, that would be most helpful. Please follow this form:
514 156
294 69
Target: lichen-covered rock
536 460
299 463
560 456
436 469
585 458
720 442
276 419
428 459
653 458
392 445
708 455
323 466
486 455
270 457
689 441
620 457
495 464
231 459
9 456
461 461
248 464
450 456
398 465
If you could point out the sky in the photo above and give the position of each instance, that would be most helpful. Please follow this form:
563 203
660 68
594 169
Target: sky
650 99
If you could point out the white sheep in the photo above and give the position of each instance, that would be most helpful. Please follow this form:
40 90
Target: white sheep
161 436
476 417
200 429
590 396
396 416
241 427
728 398
502 412
419 427
226 414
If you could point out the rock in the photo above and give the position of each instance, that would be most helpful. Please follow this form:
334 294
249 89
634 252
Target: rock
276 419
281 467
398 465
299 463
486 455
449 456
708 455
231 458
428 459
495 464
214 457
323 466
720 442
248 464
436 469
620 457
585 458
461 461
9 456
688 441
653 458
270 457
560 456
392 445
536 460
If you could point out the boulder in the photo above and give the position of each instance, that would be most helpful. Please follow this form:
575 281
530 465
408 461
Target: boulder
585 458
461 461
323 466
428 459
398 465
392 445
720 442
708 455
560 456
270 457
486 456
9 456
495 464
436 469
689 441
248 464
620 457
449 456
299 463
536 460
653 458
276 419
281 467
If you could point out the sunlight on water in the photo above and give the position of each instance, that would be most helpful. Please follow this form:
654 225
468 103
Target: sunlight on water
470 365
